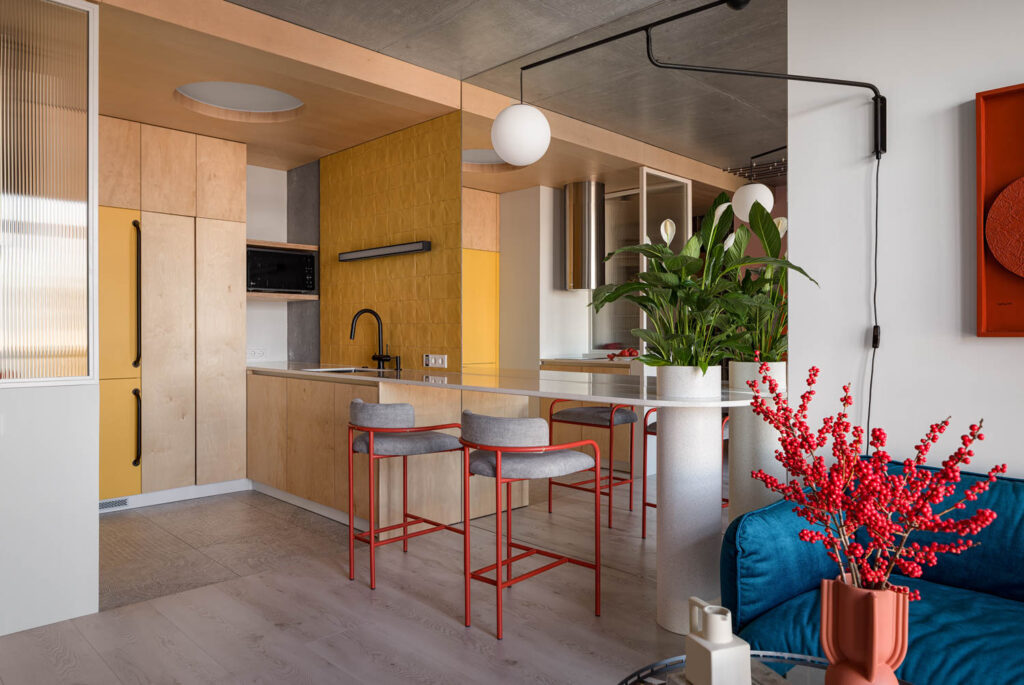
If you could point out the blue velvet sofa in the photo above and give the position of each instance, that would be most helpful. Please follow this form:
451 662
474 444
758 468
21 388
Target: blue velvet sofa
967 629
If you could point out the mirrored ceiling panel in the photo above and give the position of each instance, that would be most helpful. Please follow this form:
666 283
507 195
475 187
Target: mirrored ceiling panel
722 120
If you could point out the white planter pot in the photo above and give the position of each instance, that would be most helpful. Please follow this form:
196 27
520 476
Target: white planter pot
752 443
689 493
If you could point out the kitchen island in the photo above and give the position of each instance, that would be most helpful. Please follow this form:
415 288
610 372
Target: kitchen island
298 423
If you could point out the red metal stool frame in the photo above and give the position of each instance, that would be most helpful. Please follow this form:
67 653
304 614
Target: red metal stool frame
525 550
370 536
648 433
613 481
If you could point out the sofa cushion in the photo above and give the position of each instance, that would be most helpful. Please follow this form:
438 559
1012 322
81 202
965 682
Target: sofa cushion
764 563
956 635
994 565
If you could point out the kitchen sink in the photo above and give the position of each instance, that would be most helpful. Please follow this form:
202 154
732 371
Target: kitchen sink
347 369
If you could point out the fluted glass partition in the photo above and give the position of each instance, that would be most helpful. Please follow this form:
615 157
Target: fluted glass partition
44 190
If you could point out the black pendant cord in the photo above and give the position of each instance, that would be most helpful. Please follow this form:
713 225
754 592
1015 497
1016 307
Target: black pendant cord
876 329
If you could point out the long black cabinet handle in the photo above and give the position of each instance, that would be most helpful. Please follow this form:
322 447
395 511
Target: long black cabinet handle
138 294
138 427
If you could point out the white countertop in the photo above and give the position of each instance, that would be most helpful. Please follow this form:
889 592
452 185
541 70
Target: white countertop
569 385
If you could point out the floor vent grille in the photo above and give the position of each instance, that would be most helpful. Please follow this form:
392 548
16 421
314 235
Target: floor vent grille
114 503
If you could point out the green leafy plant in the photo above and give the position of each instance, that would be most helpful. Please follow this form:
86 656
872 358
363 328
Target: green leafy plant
766 286
697 310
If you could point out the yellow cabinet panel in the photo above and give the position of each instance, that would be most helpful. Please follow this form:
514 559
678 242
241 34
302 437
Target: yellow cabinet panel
118 439
479 307
117 278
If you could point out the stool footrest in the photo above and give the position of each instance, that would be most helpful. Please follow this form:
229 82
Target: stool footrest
364 536
559 559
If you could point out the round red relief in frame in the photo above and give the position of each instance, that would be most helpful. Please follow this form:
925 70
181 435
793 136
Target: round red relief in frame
1004 227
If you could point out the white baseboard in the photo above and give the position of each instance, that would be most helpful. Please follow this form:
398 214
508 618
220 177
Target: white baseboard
148 499
315 507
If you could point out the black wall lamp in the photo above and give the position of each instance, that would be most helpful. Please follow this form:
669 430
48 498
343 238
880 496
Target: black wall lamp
879 141
385 251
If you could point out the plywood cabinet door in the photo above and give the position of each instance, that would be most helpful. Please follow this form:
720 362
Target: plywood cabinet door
267 412
309 463
168 351
168 171
119 477
120 152
220 350
118 335
220 179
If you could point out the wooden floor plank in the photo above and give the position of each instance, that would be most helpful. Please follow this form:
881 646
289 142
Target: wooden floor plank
52 655
141 646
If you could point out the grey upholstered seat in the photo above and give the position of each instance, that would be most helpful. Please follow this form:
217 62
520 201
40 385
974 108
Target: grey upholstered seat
595 416
395 444
509 432
525 465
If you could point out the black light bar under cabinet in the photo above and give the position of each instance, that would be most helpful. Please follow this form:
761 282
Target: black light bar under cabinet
386 251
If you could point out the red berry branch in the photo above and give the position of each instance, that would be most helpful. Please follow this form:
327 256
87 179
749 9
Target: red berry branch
863 513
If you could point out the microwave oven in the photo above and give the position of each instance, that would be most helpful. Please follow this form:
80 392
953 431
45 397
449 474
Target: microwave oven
275 270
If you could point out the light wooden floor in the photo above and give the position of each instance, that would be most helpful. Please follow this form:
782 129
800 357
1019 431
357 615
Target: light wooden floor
244 588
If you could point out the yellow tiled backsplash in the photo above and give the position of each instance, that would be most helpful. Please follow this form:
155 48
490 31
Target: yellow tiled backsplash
396 189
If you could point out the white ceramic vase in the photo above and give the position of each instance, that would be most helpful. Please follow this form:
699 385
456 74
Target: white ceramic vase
689 492
752 443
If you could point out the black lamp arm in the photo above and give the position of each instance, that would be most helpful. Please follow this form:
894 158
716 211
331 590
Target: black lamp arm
878 98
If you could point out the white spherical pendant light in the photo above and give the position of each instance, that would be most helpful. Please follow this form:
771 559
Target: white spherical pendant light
745 197
520 134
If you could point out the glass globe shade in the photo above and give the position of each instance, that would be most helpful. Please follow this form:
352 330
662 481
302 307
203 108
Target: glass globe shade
745 197
520 134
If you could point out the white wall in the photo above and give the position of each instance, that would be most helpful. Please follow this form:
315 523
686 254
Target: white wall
266 207
538 319
929 59
49 521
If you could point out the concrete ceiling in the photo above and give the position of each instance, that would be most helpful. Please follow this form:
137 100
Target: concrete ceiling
717 119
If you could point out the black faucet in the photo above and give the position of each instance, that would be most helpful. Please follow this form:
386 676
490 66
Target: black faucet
380 357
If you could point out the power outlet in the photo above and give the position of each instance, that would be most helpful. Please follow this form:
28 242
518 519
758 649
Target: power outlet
435 361
437 380
255 354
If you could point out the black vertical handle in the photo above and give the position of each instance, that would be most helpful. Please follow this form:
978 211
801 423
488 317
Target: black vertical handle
138 427
138 295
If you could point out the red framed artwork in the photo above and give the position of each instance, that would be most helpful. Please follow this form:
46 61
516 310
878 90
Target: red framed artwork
1000 160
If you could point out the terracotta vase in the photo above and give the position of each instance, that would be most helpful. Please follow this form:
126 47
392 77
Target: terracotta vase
863 633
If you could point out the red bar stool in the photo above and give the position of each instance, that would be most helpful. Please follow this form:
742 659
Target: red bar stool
601 417
387 431
652 429
510 450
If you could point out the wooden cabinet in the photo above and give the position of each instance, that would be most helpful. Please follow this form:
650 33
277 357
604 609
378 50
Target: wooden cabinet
168 171
220 350
266 429
220 179
119 477
117 319
192 304
168 351
309 462
480 220
343 396
120 154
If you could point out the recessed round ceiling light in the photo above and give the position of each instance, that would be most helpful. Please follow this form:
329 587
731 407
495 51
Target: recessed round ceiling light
238 101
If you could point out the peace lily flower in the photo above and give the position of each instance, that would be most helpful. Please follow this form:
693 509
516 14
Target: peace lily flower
782 223
730 239
720 210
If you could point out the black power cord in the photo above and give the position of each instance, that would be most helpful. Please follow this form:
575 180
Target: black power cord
876 330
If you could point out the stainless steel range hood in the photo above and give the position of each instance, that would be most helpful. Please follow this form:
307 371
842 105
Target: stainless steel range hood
584 235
